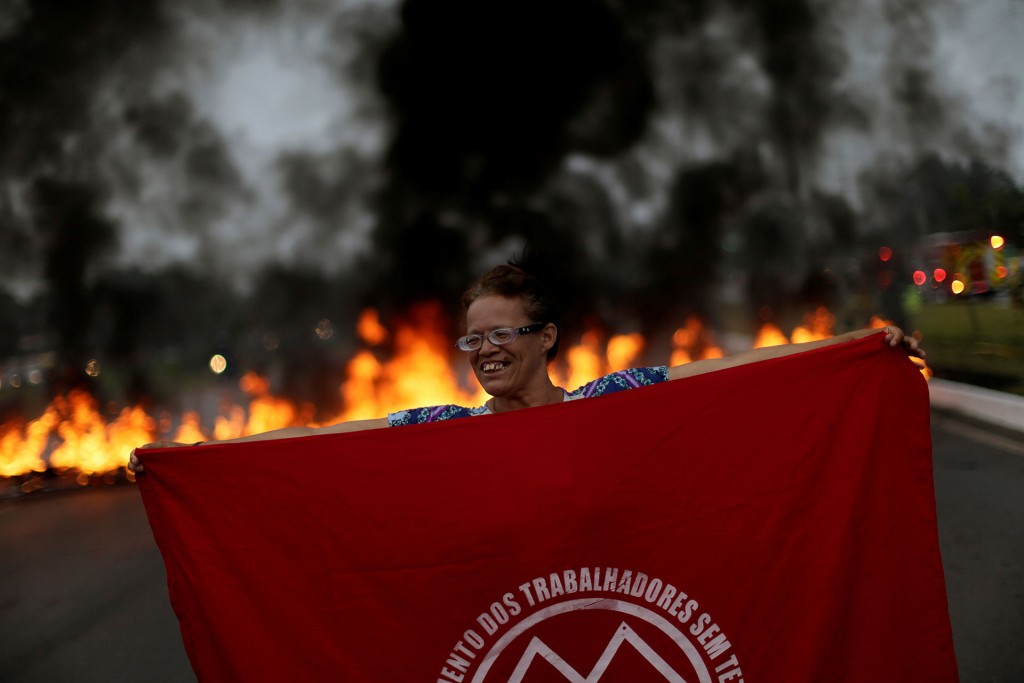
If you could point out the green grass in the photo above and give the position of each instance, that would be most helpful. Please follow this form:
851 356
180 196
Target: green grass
980 342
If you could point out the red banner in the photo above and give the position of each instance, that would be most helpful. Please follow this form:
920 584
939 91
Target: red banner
771 522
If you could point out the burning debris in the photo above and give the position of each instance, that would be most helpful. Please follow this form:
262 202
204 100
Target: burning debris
74 440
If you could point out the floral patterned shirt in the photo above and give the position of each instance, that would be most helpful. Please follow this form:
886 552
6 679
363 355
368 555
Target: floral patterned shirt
609 384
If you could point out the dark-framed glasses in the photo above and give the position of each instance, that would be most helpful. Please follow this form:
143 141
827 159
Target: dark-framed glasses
498 337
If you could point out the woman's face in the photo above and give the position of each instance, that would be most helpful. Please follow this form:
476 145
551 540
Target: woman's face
510 368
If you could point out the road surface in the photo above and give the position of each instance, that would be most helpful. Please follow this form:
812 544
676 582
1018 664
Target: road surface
82 593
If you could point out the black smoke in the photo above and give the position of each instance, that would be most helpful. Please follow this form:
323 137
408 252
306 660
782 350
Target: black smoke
51 58
488 100
508 124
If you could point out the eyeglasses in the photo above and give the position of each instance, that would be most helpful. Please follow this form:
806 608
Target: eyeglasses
498 337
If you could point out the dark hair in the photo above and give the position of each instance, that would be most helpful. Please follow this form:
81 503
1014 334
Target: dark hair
513 282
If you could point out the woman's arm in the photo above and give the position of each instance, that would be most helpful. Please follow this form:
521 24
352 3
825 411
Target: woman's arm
287 433
893 337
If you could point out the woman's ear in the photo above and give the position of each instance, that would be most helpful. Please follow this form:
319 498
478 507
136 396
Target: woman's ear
548 336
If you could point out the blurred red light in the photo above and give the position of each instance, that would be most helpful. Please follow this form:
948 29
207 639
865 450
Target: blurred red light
919 277
939 275
885 253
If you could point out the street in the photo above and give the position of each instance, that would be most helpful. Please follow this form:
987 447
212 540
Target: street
83 598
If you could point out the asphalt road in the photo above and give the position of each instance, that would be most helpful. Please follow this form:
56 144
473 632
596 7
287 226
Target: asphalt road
82 593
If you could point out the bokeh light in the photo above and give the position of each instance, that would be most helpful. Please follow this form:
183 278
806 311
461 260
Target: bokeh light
218 364
939 274
1001 272
92 368
997 242
919 277
324 329
957 286
885 253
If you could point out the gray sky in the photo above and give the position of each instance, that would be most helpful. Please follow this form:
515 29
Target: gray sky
290 81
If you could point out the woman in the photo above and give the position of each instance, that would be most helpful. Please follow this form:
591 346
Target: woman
512 336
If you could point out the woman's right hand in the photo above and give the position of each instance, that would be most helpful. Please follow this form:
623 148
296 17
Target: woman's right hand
135 466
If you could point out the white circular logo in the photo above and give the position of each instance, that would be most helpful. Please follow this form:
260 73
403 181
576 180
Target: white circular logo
593 625
538 653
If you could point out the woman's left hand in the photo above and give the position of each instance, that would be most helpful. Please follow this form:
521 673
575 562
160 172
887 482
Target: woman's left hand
135 466
894 337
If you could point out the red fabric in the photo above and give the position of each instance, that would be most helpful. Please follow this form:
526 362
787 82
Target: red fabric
776 520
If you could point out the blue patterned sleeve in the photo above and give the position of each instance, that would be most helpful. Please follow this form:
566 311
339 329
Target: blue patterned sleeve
417 416
403 417
621 381
609 384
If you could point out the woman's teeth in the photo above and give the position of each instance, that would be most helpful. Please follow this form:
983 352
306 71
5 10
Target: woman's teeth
494 366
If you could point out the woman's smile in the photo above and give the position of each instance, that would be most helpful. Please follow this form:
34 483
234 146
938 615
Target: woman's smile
492 367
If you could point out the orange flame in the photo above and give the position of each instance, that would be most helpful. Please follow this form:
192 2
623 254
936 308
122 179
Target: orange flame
769 335
189 431
370 328
418 374
623 350
592 357
817 325
691 341
22 448
92 446
585 361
